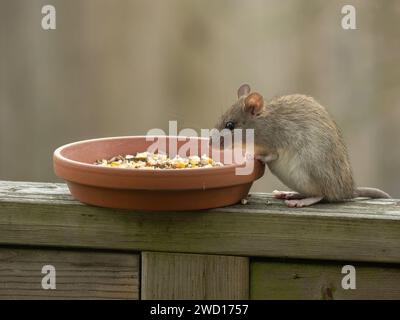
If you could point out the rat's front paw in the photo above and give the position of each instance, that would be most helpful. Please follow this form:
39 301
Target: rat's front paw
265 159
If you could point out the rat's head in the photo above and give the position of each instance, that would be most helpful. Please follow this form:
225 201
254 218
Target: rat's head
241 115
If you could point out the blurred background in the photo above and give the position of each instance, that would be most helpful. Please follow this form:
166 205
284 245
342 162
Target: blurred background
123 67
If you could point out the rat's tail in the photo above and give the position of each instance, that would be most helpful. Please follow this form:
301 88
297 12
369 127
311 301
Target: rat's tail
371 193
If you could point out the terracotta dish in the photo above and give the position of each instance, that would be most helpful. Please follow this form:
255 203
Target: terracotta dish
153 190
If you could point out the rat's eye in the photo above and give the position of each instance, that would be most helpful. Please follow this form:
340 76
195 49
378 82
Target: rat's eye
230 125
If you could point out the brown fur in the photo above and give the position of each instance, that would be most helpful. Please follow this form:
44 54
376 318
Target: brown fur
312 156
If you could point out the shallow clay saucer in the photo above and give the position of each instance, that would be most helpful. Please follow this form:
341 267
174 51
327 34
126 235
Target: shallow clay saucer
150 190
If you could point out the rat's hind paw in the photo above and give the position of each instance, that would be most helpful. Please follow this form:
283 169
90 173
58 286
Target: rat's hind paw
299 203
287 195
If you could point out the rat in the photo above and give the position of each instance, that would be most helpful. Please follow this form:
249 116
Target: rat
299 141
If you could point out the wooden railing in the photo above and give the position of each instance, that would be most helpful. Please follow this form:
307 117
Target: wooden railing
261 250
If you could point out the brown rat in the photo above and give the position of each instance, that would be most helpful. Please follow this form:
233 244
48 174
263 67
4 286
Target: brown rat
301 144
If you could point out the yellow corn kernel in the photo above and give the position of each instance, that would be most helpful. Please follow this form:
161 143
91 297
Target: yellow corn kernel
180 165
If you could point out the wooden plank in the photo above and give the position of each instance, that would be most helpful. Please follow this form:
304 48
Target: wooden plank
194 276
305 280
45 214
79 275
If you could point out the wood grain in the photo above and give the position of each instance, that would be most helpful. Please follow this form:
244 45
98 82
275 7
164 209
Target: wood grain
319 280
79 275
194 276
44 214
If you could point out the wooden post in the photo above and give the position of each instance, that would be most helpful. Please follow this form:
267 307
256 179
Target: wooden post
194 276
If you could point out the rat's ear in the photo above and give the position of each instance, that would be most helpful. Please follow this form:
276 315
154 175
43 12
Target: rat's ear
244 90
254 103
